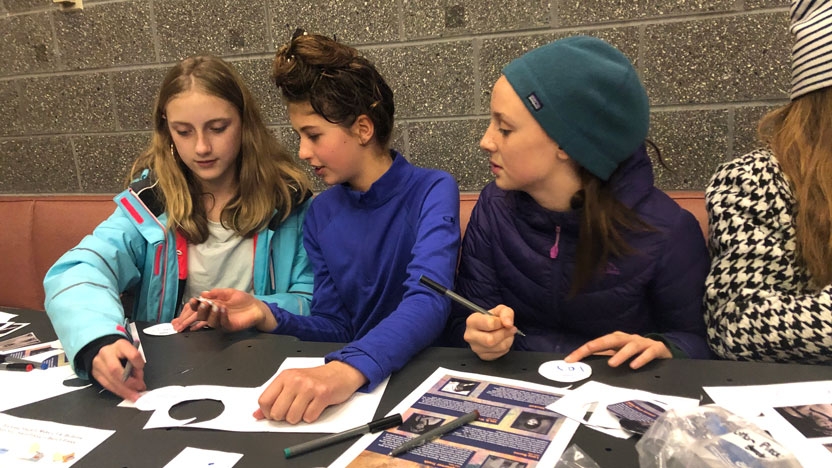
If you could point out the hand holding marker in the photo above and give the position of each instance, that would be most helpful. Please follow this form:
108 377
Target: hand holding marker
457 298
134 340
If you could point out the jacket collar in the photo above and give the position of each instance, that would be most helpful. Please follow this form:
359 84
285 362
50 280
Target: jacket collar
631 182
386 187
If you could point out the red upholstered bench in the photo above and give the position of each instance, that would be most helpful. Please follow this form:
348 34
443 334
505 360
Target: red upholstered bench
36 230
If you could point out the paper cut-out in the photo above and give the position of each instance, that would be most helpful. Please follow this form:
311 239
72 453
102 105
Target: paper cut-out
241 402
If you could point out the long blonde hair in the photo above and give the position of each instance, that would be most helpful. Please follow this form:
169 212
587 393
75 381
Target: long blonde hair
800 136
268 177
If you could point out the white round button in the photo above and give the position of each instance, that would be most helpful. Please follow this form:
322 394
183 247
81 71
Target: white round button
160 329
562 371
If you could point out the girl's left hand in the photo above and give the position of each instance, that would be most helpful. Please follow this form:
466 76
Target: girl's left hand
622 346
297 395
196 314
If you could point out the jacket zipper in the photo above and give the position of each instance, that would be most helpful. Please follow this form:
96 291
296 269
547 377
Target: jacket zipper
163 248
553 252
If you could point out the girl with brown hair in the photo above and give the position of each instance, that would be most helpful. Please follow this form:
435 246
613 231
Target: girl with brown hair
381 225
769 292
215 201
572 243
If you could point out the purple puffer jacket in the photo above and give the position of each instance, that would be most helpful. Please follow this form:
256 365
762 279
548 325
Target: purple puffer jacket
507 259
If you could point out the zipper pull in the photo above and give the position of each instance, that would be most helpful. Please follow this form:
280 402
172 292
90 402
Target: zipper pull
553 252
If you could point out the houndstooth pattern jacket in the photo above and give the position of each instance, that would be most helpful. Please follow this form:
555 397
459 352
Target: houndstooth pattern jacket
758 299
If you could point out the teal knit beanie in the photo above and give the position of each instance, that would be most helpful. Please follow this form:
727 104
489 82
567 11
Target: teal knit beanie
587 97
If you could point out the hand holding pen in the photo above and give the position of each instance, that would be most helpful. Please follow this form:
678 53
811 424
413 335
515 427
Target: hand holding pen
108 367
459 299
490 333
134 339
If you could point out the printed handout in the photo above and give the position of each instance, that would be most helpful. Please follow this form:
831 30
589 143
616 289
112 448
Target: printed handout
596 397
798 415
514 429
30 442
10 327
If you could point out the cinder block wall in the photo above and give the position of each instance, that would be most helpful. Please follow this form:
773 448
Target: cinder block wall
76 88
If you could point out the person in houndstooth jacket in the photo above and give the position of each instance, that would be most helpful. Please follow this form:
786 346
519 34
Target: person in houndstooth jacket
769 291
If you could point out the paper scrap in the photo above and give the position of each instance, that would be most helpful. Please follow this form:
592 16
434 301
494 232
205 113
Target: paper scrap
575 404
241 402
6 316
192 457
37 385
160 329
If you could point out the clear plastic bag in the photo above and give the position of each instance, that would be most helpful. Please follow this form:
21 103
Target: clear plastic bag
574 457
712 437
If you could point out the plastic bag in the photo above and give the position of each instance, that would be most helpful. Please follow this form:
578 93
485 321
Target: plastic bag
709 436
574 457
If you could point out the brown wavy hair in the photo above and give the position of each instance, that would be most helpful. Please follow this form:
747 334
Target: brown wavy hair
604 221
338 83
268 178
800 136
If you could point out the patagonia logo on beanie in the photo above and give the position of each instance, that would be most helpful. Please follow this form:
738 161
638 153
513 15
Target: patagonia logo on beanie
812 49
587 97
535 102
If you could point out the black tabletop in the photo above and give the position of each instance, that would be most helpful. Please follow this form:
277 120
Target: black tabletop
249 358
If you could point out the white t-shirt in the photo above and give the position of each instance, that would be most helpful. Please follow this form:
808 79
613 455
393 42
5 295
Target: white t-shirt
224 260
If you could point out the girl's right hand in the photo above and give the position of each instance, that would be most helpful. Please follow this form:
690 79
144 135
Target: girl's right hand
491 336
108 370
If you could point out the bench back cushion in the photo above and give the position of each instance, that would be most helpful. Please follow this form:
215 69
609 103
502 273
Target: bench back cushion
34 232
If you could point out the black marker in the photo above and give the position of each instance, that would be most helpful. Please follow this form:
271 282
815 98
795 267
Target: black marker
411 444
17 360
457 298
16 366
374 426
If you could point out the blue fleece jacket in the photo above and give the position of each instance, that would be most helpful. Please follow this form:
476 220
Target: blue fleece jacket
519 254
368 250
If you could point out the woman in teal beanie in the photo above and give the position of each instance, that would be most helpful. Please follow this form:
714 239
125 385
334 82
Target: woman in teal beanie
572 242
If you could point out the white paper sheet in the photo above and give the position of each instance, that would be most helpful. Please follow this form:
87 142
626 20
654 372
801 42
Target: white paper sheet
798 415
6 316
192 457
30 442
22 388
596 396
241 402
